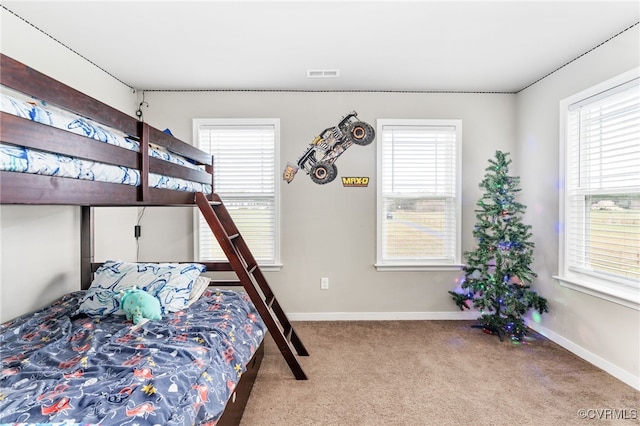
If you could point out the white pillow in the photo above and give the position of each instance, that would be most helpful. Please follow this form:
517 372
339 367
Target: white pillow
199 286
170 283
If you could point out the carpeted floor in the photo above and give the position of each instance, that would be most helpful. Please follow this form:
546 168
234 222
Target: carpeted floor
433 373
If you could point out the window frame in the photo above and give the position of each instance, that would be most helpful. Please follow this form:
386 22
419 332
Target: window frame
197 123
598 285
434 264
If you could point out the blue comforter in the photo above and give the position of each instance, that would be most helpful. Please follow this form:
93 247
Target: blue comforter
58 367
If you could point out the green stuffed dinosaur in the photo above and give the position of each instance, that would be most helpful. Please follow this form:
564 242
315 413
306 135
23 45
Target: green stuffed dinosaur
137 304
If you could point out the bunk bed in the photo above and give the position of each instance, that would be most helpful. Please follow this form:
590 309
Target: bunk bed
66 364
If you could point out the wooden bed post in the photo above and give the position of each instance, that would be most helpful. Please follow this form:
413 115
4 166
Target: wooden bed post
86 246
213 180
143 134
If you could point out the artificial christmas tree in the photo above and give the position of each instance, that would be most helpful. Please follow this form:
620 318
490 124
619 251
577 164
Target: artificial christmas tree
498 271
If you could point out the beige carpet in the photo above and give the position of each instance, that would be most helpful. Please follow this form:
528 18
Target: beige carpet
433 373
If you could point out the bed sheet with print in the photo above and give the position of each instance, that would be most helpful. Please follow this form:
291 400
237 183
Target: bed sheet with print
61 146
25 160
61 367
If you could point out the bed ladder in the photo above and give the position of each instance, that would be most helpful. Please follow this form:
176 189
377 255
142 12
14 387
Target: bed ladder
254 282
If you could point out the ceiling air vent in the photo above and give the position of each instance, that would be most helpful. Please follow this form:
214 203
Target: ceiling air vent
323 73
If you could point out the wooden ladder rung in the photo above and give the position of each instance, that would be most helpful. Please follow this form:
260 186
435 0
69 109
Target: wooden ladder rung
222 283
287 333
269 300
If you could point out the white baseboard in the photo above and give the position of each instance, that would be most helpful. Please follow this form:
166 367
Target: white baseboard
382 316
615 371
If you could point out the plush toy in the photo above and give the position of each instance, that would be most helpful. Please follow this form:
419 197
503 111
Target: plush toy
137 304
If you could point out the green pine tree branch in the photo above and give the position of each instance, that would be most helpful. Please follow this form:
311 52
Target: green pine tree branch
498 272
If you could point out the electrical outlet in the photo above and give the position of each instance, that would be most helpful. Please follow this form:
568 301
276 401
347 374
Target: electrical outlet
324 283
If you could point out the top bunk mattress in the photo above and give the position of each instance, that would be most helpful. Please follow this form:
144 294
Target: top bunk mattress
15 158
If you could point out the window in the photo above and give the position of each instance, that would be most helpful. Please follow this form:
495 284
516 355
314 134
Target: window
245 168
418 194
600 203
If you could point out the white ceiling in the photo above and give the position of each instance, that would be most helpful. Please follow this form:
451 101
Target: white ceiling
486 46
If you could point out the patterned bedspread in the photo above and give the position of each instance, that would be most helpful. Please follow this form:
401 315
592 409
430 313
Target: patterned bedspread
25 160
58 368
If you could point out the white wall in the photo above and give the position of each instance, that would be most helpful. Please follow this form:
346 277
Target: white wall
605 333
328 230
40 245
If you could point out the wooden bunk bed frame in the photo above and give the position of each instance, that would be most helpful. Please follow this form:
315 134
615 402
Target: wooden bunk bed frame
34 189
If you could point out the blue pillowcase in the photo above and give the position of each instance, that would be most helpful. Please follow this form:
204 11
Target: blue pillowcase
170 283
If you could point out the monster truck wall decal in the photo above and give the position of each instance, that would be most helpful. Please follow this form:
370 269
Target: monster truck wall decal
318 160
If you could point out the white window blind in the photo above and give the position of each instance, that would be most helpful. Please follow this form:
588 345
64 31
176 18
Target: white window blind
602 229
418 192
245 169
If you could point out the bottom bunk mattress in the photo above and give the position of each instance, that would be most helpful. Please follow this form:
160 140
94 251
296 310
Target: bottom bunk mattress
59 367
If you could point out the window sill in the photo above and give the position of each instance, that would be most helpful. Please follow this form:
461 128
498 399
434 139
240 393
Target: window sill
271 267
443 267
616 293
